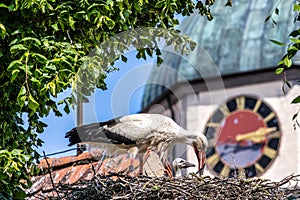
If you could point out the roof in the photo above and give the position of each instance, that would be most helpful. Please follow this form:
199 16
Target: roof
237 40
73 169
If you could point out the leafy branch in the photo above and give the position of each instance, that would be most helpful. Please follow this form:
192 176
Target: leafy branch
49 46
292 48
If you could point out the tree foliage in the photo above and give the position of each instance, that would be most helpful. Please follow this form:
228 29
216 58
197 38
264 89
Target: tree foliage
293 47
44 44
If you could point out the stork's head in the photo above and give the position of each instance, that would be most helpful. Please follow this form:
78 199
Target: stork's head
179 164
199 144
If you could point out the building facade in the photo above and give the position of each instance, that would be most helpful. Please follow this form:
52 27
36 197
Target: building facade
228 90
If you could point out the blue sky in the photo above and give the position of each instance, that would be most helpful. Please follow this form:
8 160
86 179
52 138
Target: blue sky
123 96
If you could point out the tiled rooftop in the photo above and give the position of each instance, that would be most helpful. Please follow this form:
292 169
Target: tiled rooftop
71 169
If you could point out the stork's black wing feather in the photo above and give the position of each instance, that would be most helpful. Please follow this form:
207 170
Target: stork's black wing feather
97 132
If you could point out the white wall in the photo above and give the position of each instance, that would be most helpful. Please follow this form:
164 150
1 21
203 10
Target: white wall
288 159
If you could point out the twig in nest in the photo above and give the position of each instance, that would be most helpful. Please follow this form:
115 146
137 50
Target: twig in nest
52 182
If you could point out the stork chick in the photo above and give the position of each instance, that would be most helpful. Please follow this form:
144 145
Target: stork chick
179 164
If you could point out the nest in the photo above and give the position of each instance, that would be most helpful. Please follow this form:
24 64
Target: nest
190 187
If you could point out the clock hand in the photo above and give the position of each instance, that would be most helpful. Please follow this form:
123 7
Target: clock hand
257 136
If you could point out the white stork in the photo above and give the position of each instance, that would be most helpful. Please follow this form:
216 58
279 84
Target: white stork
179 164
139 133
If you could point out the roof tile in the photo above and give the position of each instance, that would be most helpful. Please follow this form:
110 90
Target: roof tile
71 169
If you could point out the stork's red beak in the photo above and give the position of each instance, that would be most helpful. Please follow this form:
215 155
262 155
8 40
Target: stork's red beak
200 157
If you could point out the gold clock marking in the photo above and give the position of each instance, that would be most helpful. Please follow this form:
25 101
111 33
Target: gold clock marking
223 108
240 101
257 105
271 153
211 142
213 160
225 171
213 124
258 167
274 135
269 117
241 173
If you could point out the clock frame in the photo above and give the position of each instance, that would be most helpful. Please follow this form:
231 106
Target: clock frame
243 137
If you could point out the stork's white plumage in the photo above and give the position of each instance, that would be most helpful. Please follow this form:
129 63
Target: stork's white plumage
179 164
139 133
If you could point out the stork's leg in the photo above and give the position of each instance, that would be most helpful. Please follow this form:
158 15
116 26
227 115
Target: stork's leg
167 165
143 160
132 155
103 156
141 171
168 168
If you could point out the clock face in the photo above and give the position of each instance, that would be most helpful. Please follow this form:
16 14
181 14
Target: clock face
243 137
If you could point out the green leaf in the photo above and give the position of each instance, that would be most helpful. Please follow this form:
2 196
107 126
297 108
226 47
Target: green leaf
16 32
2 5
159 61
295 116
43 91
175 21
51 67
14 74
277 42
296 100
124 59
22 91
14 64
288 84
267 18
160 4
293 48
32 103
20 194
149 51
35 80
52 88
15 41
297 7
276 11
67 109
295 33
295 40
16 152
61 23
35 40
287 62
109 22
3 30
71 22
55 27
17 47
279 70
40 57
21 96
229 3
4 182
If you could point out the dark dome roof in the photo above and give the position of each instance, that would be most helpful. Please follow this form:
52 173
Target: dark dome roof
236 40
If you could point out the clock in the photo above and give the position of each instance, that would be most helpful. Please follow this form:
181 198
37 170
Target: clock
243 137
